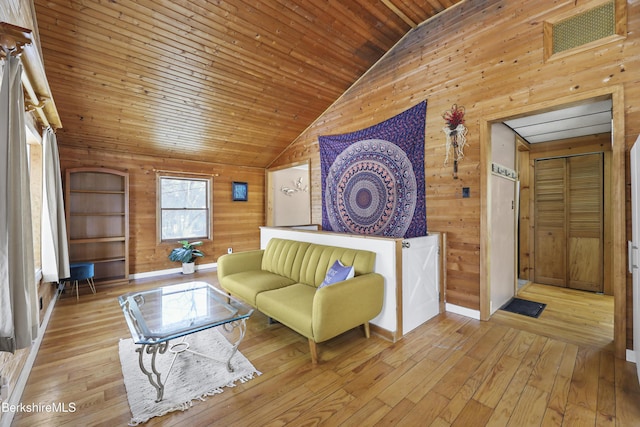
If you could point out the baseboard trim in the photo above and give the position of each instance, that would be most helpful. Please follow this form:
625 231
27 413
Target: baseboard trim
382 332
463 311
156 273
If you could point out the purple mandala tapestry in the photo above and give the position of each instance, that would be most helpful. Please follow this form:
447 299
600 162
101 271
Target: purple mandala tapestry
373 179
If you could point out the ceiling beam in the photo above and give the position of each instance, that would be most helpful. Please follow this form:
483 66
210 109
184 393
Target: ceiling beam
400 14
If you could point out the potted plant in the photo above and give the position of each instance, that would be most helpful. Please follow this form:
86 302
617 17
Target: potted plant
186 254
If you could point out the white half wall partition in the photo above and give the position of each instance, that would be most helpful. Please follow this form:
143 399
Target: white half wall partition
389 263
420 280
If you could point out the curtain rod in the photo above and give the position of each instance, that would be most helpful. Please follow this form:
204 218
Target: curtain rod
13 40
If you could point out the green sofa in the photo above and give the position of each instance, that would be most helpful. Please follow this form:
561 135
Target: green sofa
282 282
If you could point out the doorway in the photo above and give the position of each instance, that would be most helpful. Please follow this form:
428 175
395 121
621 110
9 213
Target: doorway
568 221
566 213
614 273
288 196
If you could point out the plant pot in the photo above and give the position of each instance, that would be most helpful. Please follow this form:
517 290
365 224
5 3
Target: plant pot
188 267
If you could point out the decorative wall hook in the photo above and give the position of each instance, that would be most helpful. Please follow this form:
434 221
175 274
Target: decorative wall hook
456 134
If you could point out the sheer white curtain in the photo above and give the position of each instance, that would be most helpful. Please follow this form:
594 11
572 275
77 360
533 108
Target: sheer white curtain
55 252
18 293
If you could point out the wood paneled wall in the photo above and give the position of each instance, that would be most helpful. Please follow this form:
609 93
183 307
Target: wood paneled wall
235 224
488 57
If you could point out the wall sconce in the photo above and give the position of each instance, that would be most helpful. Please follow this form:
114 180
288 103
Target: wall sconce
456 134
297 186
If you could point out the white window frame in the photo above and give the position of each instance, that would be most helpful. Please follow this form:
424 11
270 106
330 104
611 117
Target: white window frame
160 209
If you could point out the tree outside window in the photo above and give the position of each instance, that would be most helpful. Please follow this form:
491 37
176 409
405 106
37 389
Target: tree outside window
184 208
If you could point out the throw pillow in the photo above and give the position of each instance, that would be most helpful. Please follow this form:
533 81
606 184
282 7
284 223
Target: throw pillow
337 273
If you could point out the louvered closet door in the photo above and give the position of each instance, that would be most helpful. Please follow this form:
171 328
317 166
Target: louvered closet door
550 222
585 208
568 222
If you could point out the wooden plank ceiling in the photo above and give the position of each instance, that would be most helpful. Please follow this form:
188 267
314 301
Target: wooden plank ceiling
231 82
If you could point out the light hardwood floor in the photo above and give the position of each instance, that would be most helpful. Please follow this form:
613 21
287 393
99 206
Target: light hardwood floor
583 318
450 371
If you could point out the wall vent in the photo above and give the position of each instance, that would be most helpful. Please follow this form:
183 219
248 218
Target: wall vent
585 27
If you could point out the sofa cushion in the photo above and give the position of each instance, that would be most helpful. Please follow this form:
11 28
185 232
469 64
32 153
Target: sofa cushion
284 257
319 258
337 273
308 263
292 306
247 284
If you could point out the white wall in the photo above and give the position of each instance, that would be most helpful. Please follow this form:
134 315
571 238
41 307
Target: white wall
293 209
503 219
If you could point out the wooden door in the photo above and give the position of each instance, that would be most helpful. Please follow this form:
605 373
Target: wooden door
585 217
550 222
568 219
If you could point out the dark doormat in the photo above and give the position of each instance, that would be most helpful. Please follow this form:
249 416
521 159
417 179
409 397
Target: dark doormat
524 307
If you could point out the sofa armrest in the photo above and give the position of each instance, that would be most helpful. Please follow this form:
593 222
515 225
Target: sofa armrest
345 305
239 262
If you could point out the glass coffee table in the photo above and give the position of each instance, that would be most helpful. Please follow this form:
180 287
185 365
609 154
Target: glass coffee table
160 315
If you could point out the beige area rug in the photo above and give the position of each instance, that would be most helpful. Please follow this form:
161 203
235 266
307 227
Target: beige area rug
192 377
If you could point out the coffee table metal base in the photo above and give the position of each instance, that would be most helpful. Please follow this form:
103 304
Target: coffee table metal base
155 376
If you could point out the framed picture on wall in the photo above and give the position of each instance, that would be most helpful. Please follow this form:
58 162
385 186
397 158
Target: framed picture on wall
239 191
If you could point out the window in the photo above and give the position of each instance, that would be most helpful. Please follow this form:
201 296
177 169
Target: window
184 206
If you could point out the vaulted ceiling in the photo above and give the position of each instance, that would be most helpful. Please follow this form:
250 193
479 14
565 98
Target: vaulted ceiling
231 82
